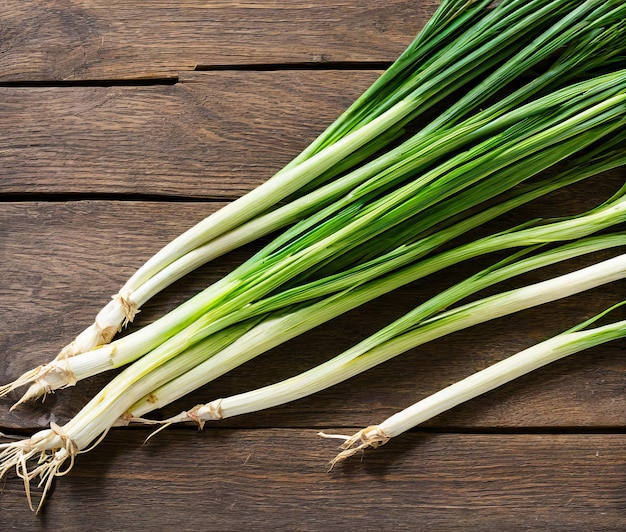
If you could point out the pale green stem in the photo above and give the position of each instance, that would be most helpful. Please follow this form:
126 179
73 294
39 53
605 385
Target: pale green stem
498 374
501 373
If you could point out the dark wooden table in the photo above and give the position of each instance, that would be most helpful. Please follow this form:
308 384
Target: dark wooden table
121 125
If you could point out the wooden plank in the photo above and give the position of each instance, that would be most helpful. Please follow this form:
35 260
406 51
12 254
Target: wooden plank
98 40
214 135
277 479
63 260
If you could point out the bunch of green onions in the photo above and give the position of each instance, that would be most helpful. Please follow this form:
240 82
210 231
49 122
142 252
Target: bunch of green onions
462 43
447 168
594 109
364 225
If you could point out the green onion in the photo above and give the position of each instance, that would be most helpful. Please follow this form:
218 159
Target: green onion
526 141
565 344
463 41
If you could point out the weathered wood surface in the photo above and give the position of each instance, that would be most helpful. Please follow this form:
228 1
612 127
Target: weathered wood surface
278 479
212 135
96 177
95 40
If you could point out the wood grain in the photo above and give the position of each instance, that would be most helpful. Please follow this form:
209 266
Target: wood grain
219 479
213 135
108 40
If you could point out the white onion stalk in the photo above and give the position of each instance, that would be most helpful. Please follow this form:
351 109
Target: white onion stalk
565 344
172 263
211 238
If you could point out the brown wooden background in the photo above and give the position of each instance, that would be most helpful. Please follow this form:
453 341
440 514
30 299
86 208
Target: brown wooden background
123 123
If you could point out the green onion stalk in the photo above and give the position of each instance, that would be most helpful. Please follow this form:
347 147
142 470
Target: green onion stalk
466 47
533 137
565 344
